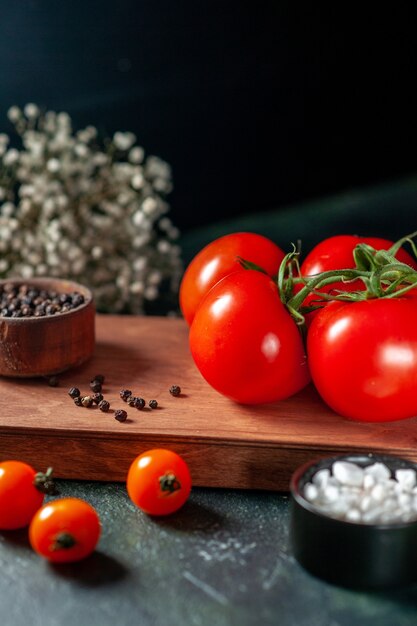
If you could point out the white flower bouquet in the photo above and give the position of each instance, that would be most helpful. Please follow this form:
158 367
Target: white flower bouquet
90 210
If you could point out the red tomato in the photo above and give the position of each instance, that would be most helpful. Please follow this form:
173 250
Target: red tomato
363 358
159 482
337 253
19 498
218 259
65 530
245 343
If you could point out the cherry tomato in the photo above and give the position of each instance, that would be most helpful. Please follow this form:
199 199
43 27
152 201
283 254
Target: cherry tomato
337 253
245 343
363 358
218 259
19 498
65 530
159 482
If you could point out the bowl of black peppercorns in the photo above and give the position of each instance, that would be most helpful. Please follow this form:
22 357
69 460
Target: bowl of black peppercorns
46 326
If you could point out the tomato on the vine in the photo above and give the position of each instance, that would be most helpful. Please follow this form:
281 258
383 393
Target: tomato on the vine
19 496
218 259
336 253
159 481
245 343
65 530
363 358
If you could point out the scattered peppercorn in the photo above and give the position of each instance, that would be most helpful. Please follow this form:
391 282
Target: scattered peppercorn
97 398
175 390
53 381
74 392
95 386
120 415
125 394
104 406
131 400
99 378
153 404
87 401
77 401
139 403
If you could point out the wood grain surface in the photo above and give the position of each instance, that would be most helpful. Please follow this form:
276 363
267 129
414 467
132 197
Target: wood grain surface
225 444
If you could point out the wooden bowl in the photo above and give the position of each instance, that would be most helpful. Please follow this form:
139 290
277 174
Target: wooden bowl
42 346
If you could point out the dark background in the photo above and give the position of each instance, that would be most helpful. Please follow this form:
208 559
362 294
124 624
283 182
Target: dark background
255 105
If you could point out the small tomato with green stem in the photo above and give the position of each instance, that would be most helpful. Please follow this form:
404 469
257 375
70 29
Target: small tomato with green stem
22 491
65 530
159 482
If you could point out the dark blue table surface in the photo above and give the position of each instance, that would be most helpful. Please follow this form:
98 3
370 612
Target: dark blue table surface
224 559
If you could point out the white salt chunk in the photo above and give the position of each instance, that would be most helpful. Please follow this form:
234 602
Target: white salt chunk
368 481
330 493
378 470
353 515
406 478
378 492
321 478
348 473
311 492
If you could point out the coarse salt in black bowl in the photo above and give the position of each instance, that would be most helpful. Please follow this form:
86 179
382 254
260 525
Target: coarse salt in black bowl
354 535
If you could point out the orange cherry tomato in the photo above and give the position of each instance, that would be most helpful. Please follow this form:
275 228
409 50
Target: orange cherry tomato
19 497
159 482
65 530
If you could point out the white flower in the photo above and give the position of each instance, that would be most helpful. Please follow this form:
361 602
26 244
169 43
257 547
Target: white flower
149 206
89 210
7 209
80 150
124 141
31 110
53 165
136 155
11 157
163 246
97 252
151 292
137 287
14 114
137 181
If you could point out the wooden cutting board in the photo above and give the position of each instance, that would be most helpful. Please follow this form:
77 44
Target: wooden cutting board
225 444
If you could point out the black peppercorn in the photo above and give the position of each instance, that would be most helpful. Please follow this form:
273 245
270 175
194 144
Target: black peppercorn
153 404
104 406
77 401
53 381
175 390
99 378
74 392
120 415
125 394
97 398
95 386
139 403
87 401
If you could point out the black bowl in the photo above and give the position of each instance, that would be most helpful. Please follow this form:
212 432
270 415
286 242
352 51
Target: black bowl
354 555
